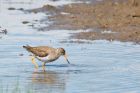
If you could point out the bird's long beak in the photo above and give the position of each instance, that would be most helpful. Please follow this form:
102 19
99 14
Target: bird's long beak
65 56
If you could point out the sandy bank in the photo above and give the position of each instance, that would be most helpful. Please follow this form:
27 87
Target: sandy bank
115 20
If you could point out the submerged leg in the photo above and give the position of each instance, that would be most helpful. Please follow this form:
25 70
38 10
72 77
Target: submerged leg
43 66
33 61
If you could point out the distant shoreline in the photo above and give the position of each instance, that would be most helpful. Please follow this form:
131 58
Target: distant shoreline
115 20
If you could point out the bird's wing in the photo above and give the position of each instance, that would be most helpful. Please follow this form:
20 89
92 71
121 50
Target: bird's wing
37 51
46 48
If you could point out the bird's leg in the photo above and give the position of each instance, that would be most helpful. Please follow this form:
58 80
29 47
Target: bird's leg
43 66
33 61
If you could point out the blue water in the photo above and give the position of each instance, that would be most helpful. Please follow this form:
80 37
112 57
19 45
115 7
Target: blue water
97 67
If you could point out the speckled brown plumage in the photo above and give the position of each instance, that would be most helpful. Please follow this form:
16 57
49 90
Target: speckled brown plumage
45 53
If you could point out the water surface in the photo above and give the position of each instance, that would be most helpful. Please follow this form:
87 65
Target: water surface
97 67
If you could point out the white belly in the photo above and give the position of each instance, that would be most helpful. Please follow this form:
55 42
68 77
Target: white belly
43 59
46 59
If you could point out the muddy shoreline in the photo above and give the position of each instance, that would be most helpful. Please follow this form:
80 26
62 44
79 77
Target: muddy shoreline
109 19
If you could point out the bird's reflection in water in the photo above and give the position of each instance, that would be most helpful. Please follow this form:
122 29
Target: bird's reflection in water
48 82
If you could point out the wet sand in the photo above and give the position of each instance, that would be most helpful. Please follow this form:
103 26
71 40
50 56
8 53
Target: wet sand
109 20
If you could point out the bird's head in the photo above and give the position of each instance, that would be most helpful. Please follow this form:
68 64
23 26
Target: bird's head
63 53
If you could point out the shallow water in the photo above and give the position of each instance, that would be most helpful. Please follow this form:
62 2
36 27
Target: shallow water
97 67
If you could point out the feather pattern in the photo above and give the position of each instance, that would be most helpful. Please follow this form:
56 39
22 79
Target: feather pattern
37 51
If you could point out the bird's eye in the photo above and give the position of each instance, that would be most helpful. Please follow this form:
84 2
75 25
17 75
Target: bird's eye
63 52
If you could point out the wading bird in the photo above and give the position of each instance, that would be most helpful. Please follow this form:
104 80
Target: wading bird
45 54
